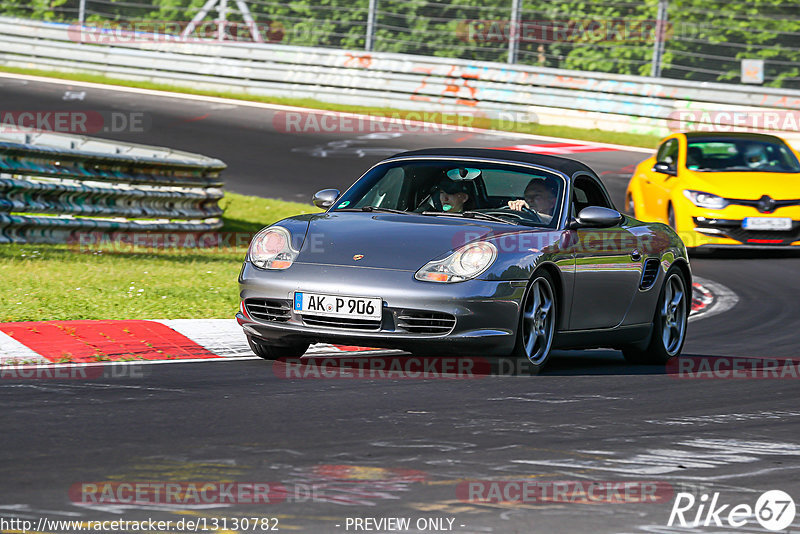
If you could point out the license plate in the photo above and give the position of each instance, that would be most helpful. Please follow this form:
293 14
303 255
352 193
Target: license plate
767 223
338 305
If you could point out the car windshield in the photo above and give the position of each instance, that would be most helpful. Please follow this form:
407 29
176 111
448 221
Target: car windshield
724 155
492 191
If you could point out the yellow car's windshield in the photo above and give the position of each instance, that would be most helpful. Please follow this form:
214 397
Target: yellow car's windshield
731 155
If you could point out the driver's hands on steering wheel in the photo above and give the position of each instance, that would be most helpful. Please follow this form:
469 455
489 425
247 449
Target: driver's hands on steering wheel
524 207
518 205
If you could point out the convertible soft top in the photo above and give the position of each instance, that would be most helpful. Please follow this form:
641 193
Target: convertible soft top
564 165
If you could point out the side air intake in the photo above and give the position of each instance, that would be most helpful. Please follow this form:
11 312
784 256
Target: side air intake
649 273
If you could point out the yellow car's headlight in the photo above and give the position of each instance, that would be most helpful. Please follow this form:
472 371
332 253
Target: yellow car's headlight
705 200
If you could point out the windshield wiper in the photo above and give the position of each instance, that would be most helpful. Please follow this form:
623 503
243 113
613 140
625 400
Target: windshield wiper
370 209
477 214
471 215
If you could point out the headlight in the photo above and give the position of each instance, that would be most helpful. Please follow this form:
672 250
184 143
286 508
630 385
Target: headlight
271 248
467 262
705 200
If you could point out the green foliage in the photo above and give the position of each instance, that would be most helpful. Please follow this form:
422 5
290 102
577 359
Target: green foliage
706 39
107 281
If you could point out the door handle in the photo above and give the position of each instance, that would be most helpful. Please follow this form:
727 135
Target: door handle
636 255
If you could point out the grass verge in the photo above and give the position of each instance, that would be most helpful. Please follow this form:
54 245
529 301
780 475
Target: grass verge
63 282
620 138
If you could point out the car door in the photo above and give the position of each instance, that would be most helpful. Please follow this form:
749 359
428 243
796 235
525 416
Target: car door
657 184
608 264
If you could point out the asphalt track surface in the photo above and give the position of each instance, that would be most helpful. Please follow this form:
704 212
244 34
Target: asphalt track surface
401 448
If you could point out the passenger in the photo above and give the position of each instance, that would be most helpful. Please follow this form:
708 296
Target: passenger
453 195
540 196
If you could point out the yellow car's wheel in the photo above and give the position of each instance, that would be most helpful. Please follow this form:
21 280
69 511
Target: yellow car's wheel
630 205
671 217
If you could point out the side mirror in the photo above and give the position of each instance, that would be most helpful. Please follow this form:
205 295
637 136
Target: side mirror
665 168
596 217
324 199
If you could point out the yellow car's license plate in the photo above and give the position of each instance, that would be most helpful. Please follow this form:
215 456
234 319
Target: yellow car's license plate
767 223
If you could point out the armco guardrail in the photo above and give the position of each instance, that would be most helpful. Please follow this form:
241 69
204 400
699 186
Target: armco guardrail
54 186
549 96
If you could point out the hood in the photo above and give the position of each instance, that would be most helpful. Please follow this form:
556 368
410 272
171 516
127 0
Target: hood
388 241
746 185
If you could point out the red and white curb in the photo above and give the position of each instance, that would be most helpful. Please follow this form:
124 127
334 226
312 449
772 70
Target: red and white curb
559 149
710 298
182 340
136 341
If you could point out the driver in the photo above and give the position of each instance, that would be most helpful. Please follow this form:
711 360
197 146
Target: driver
540 195
754 156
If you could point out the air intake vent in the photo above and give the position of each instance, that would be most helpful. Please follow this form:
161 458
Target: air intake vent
342 322
419 322
268 310
649 273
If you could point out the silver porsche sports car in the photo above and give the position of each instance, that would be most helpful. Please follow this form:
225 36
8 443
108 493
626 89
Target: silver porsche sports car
470 252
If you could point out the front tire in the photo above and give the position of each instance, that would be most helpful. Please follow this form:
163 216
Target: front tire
273 352
671 217
630 206
537 322
669 323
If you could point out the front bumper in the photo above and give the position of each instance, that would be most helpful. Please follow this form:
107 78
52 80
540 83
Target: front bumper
699 227
485 313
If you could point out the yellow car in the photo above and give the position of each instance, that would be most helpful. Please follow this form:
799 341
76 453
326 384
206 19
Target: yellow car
719 189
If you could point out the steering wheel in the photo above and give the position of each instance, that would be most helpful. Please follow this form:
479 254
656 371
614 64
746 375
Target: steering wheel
508 211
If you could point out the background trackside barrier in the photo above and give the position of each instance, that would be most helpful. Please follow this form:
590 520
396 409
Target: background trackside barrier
550 96
53 186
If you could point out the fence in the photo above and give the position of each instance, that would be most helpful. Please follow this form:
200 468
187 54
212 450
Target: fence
53 186
547 96
699 40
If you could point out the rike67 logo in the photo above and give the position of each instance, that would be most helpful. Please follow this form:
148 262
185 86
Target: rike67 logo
774 510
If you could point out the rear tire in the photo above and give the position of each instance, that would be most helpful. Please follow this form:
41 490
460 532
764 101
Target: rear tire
537 322
273 352
669 323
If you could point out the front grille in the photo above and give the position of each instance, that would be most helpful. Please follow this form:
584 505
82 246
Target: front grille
758 204
268 310
649 273
342 322
421 322
762 236
733 229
